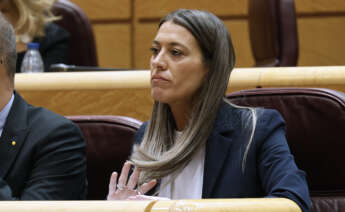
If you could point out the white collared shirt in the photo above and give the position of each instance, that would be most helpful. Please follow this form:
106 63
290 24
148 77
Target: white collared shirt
188 183
4 113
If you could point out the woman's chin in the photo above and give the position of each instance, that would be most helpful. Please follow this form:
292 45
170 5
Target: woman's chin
159 97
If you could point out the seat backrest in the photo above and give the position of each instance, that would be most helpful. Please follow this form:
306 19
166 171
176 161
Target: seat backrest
82 42
273 32
315 131
109 141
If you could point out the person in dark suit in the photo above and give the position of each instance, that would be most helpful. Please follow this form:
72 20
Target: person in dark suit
197 144
53 40
42 154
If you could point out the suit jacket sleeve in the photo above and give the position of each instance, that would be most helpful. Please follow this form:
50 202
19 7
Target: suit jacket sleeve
58 169
277 169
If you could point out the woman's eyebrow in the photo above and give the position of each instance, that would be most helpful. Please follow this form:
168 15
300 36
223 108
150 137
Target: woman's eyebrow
170 44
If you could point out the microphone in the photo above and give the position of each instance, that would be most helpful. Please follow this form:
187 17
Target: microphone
60 67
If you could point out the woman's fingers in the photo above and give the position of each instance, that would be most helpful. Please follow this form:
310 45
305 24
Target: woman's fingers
112 182
133 180
124 175
147 186
120 189
112 186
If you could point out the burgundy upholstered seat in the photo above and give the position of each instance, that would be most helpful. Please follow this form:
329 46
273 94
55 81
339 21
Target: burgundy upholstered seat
74 20
109 140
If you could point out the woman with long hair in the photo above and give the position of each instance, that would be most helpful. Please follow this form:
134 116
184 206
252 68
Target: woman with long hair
197 144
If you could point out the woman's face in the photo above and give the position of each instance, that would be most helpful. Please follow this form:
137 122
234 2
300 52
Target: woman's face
8 9
177 69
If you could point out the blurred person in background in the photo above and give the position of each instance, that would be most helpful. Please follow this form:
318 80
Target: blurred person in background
33 21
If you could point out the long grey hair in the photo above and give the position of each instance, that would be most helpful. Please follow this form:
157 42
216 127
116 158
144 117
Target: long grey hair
159 154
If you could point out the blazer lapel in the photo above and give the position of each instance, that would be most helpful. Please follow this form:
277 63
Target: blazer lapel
216 153
13 134
218 147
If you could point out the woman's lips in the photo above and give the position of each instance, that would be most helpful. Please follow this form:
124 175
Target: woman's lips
158 79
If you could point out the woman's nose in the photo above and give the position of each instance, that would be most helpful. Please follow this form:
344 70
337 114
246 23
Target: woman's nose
159 61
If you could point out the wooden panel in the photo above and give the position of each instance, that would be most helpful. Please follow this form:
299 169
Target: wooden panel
240 38
322 76
135 103
98 80
319 6
157 9
145 33
332 77
321 41
105 9
228 205
73 206
216 205
113 45
127 93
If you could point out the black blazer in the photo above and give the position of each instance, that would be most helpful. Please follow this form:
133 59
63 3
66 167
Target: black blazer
42 156
270 169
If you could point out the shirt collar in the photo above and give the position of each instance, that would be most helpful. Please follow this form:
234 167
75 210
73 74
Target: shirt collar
4 113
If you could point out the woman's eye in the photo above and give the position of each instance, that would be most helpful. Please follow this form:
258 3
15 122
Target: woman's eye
154 50
176 52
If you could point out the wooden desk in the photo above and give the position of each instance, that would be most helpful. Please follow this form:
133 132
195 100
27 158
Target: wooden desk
127 93
214 205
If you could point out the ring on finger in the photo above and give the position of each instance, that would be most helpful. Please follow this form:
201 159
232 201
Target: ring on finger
121 187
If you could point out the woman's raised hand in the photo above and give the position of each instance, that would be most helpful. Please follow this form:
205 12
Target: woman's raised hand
123 189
